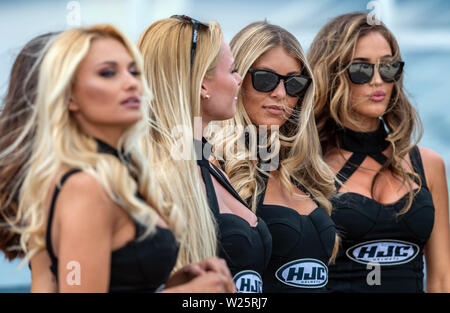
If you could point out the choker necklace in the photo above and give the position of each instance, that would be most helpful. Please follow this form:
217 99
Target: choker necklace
363 142
202 149
103 147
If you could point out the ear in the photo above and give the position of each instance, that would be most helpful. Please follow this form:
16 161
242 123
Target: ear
204 90
73 106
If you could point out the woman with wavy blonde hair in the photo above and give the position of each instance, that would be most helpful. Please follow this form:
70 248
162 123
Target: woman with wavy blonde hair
88 205
392 201
289 186
194 82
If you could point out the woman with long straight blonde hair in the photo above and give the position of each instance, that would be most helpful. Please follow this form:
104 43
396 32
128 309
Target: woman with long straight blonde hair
194 82
279 170
88 205
391 208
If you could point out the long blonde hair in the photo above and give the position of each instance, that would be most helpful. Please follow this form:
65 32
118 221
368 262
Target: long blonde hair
330 51
166 48
298 145
59 145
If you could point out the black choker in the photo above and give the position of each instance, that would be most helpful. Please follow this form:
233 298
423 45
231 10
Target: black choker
362 145
367 143
103 147
202 149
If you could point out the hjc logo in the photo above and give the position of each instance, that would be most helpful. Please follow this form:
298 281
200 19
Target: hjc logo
248 282
384 252
305 273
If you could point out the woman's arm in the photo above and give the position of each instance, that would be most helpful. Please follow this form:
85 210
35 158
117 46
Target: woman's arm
437 249
84 217
42 279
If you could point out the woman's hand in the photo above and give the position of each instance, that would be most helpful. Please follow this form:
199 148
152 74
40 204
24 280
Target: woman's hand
211 276
185 275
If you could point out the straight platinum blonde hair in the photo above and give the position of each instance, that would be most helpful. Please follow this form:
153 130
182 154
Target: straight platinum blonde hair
60 145
166 48
297 141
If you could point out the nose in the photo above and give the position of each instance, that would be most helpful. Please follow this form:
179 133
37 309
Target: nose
131 82
279 91
376 79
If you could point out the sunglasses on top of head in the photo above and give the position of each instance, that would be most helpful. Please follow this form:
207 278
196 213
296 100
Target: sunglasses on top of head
362 72
266 81
195 24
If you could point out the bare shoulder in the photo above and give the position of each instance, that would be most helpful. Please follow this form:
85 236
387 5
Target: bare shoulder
433 165
83 197
431 159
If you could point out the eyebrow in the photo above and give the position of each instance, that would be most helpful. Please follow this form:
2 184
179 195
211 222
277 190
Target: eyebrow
288 74
367 60
114 63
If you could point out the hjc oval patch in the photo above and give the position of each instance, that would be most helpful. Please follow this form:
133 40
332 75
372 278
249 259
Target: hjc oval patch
248 282
384 252
303 273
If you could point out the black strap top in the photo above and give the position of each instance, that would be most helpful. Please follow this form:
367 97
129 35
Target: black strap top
302 246
373 233
139 266
246 249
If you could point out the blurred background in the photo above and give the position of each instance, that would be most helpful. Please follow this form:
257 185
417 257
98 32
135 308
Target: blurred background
421 27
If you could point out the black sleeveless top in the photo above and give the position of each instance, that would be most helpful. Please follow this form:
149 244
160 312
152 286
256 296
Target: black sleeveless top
139 266
381 252
246 249
302 246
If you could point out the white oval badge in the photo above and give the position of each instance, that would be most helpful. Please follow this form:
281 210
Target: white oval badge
384 252
303 273
248 282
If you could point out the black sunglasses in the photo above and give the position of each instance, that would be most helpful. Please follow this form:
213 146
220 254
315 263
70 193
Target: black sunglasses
362 72
266 81
195 24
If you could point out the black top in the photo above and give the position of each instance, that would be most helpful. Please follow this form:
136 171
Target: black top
139 266
246 249
302 246
372 231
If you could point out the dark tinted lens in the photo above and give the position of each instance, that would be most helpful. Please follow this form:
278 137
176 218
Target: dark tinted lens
391 72
295 85
360 73
264 81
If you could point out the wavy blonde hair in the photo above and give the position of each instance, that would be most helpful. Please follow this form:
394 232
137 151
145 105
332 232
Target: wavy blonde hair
297 140
166 48
329 55
59 145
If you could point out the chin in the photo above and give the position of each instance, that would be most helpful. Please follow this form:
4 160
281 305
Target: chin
271 123
372 110
131 119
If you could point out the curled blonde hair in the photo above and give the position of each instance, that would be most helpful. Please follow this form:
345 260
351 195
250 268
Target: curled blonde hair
166 48
59 145
297 140
329 55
